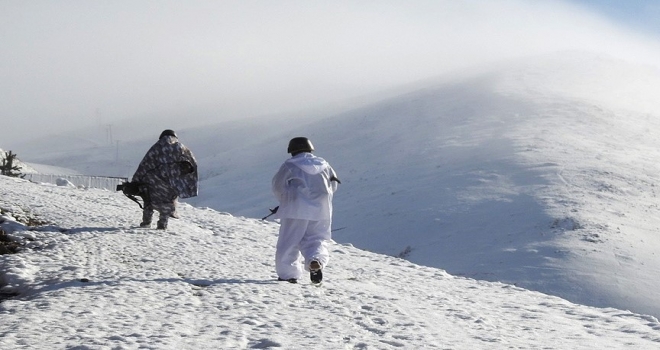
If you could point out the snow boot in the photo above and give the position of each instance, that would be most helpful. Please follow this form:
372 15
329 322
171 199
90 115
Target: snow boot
315 273
290 280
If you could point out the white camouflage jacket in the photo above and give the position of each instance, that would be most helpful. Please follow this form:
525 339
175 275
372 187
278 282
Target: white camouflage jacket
304 186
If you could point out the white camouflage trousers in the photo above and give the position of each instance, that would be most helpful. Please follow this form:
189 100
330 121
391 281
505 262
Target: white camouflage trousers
298 239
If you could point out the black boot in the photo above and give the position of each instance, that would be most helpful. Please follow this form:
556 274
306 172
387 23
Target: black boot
315 273
290 280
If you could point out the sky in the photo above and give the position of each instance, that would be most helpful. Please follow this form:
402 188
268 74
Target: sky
94 280
639 15
97 64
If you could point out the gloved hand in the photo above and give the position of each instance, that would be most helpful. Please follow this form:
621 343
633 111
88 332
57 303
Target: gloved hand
186 168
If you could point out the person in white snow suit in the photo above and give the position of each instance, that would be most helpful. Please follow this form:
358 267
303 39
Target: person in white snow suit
304 186
167 172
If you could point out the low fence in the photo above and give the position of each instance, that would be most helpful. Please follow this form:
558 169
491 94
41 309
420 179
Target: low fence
106 182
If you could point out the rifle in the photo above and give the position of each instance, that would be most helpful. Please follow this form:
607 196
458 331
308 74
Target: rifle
272 212
133 190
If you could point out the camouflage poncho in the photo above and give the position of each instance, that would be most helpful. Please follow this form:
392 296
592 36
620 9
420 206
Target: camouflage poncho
168 167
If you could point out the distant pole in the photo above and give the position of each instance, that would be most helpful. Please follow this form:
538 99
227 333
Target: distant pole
108 129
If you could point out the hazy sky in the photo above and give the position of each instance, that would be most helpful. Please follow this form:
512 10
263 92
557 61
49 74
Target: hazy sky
641 15
72 63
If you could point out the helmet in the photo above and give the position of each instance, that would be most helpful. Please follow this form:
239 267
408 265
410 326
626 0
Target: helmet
300 144
167 132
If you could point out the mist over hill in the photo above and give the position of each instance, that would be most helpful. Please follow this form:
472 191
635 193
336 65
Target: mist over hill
538 172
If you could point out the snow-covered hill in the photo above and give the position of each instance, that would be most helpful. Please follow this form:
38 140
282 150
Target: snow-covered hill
88 279
539 173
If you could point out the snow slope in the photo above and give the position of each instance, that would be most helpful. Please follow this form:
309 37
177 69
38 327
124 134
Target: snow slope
539 173
88 279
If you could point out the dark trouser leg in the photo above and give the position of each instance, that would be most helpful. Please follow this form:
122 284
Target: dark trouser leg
165 210
163 200
147 214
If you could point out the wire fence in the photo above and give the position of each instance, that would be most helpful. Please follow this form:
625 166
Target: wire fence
104 182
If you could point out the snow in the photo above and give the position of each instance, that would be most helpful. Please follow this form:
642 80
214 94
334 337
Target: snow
537 175
108 183
39 169
525 173
89 279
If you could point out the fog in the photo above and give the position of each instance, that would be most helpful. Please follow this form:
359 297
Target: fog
74 64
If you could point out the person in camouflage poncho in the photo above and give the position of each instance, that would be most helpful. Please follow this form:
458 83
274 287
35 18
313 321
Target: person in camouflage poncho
168 171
